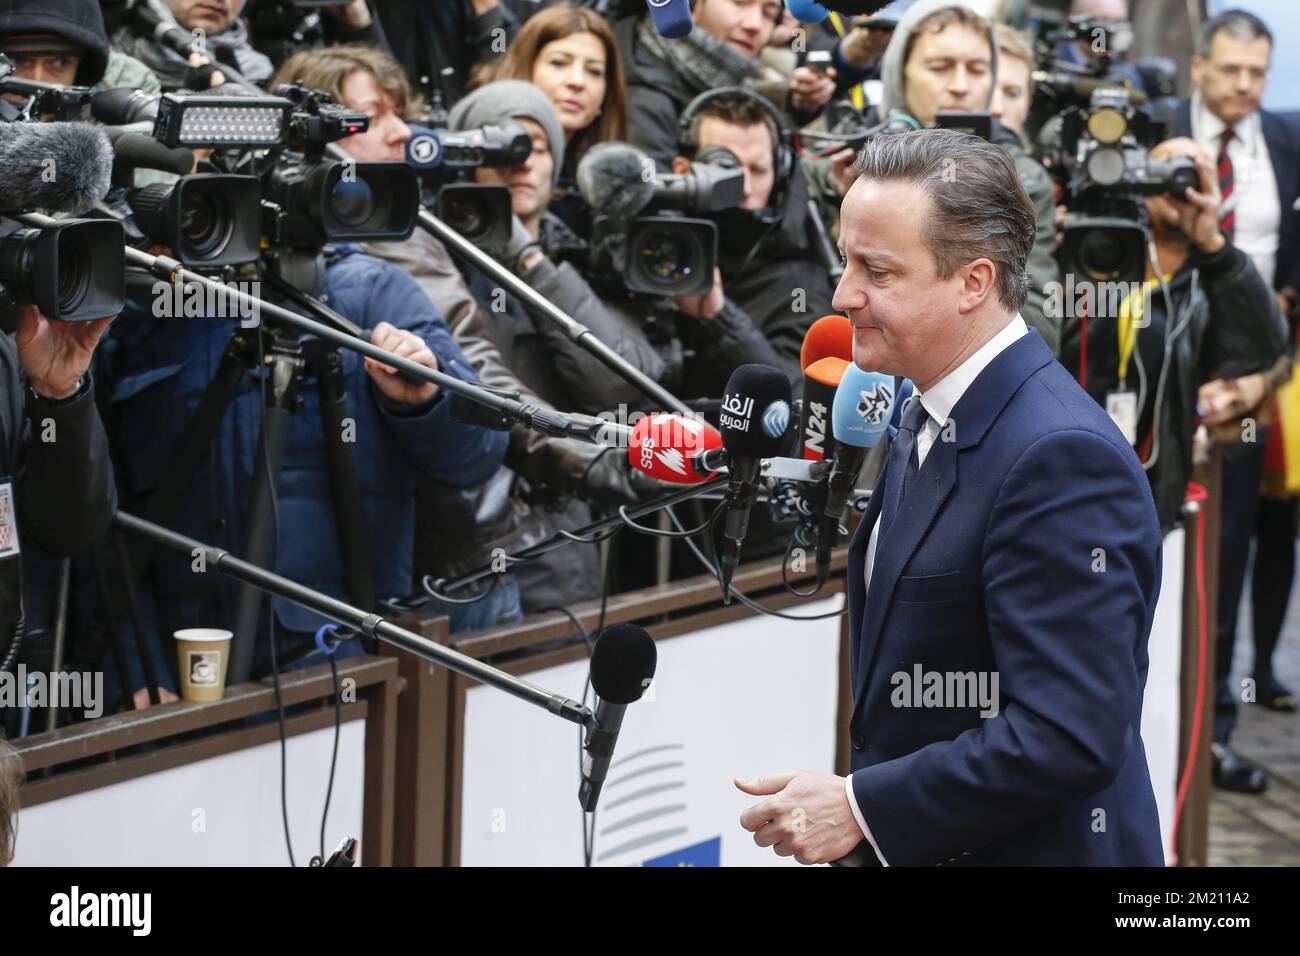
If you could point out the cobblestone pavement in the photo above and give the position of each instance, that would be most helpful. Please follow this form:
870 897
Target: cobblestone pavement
1264 829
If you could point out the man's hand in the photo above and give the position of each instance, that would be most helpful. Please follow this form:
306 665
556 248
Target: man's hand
141 697
354 15
1199 212
1228 399
808 817
810 89
703 307
406 345
840 176
863 47
55 355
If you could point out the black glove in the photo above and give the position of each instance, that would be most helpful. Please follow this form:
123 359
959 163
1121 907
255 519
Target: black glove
610 481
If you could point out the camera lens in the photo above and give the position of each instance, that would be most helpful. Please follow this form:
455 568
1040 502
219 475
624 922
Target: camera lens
204 225
352 202
74 272
669 257
466 215
1101 257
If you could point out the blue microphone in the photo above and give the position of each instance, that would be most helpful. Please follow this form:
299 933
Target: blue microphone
807 11
672 17
860 413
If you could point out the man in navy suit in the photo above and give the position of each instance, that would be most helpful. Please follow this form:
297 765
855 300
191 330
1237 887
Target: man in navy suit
1011 543
1258 155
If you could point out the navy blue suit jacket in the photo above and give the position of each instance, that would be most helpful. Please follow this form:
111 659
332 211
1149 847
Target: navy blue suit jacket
1027 544
1282 137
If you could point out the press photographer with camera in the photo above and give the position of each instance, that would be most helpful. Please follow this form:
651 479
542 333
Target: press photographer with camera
496 513
663 75
219 36
65 42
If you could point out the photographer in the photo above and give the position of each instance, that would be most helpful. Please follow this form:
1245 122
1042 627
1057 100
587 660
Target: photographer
64 42
940 60
1203 314
663 76
495 514
56 483
767 267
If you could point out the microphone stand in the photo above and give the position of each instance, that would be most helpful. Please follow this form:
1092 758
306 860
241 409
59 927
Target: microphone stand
367 623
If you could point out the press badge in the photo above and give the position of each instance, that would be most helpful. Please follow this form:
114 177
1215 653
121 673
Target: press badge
1122 407
8 521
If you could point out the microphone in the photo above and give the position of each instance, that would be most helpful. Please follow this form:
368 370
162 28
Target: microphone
56 167
667 447
616 179
820 381
622 666
672 17
859 416
754 421
144 19
134 151
807 11
831 335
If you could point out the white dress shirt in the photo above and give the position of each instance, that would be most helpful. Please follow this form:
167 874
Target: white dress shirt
1254 189
938 402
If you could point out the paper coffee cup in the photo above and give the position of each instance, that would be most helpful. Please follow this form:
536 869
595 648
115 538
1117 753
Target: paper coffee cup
204 653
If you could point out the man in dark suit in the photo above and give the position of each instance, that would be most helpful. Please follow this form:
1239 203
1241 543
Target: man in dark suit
1011 545
1258 155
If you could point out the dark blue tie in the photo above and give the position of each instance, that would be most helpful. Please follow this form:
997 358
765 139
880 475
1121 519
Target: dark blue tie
901 465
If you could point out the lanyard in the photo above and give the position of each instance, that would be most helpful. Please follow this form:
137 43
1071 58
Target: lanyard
1131 311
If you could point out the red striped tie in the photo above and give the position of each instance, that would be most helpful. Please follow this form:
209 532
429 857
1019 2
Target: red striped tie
1228 220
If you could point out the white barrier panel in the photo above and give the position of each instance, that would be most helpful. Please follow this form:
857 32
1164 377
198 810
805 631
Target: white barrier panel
223 811
754 696
1160 701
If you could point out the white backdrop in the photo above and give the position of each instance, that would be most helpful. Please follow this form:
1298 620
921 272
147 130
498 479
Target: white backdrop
224 811
754 696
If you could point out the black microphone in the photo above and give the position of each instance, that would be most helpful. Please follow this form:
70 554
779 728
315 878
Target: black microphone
622 666
616 179
56 167
144 19
755 424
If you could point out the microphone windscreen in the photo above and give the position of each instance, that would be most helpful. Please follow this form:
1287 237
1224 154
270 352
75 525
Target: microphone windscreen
424 148
672 17
56 167
828 370
829 335
623 663
863 404
616 179
807 11
755 415
662 446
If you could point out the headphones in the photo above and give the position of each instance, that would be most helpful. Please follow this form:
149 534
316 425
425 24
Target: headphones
784 156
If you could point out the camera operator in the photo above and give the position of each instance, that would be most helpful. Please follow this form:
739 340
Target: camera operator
940 60
1258 155
1082 52
767 267
401 430
64 42
220 36
663 76
483 518
1204 313
56 482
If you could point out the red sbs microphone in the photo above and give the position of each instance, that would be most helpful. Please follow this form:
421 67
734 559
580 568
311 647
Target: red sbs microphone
831 335
667 447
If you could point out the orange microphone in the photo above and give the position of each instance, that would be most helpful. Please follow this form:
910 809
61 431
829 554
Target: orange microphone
831 335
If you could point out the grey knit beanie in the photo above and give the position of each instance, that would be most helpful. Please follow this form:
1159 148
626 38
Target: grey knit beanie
503 100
